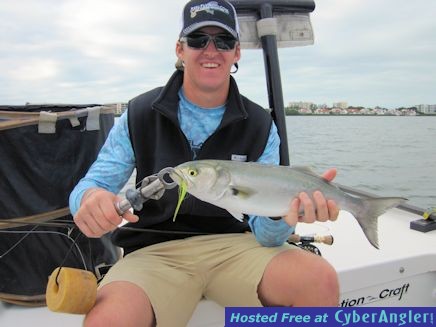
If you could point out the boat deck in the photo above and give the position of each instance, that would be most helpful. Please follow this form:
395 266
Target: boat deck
406 258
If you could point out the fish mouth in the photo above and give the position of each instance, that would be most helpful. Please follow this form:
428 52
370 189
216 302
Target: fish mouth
178 176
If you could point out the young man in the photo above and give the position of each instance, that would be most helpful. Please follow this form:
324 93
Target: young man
198 114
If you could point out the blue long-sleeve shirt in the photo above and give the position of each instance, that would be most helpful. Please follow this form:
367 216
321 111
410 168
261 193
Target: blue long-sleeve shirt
116 162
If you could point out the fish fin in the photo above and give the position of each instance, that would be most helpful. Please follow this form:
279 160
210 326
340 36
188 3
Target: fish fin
238 215
309 171
367 215
241 192
306 170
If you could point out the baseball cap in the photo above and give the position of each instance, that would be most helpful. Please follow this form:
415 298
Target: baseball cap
201 13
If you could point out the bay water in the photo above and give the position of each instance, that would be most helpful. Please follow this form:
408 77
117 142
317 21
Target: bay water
382 155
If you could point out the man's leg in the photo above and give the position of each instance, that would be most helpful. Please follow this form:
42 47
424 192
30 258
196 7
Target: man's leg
141 288
248 274
299 278
121 304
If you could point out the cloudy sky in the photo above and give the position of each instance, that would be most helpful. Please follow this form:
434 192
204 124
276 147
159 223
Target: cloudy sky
366 52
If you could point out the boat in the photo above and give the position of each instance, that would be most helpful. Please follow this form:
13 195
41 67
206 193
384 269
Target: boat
388 277
402 273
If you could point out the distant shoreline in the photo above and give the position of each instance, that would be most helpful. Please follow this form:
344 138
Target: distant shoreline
359 115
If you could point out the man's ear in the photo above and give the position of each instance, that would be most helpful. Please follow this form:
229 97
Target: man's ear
179 50
237 53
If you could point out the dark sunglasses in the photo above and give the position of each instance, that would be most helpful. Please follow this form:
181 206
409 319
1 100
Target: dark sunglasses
223 42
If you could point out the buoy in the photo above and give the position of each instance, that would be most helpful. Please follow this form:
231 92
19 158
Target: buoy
71 290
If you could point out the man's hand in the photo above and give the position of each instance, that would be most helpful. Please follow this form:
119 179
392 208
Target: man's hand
97 214
319 209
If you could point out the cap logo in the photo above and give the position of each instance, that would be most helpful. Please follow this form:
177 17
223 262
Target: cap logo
209 7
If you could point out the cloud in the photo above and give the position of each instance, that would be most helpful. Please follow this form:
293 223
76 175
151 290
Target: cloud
366 52
33 70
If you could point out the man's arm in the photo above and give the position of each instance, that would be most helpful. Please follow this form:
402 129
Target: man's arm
92 200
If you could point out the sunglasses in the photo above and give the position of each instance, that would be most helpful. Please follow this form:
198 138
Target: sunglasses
223 42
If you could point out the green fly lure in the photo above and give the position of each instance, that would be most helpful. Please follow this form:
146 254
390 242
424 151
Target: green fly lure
182 193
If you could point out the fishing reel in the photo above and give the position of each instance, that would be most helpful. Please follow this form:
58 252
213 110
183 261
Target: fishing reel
305 242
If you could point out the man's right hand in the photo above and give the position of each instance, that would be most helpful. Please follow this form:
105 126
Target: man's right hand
97 214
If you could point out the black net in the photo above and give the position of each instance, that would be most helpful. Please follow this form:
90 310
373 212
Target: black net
37 173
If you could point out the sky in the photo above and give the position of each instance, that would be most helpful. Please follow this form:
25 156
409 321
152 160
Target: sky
366 52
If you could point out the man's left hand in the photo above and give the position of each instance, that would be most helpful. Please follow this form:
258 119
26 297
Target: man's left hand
318 209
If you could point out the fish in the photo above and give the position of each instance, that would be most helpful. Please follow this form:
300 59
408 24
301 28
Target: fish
267 190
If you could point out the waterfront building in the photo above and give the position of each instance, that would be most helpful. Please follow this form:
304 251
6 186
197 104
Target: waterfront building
120 108
426 108
341 105
301 104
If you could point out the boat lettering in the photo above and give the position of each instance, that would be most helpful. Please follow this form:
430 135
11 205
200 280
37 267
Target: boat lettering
394 292
384 294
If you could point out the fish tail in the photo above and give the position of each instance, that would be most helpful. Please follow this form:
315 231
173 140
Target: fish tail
368 211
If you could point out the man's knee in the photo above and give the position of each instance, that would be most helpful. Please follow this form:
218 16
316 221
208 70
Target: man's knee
299 278
328 284
319 281
120 304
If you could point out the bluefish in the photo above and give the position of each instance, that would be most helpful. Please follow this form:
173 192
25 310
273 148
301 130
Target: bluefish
267 190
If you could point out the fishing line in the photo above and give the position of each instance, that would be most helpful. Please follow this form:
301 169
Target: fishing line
67 223
322 225
43 224
33 231
71 226
19 241
67 255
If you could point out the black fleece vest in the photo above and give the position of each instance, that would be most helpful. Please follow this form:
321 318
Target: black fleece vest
158 142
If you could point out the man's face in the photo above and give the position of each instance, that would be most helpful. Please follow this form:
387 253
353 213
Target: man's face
207 69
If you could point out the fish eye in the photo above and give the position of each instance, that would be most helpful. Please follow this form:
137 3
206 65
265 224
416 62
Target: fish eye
192 172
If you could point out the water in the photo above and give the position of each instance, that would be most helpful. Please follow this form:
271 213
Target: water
387 156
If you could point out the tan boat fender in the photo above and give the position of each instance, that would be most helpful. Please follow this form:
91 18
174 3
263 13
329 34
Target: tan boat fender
71 290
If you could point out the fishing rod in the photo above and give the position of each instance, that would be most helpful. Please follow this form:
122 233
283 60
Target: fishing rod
152 187
71 224
325 239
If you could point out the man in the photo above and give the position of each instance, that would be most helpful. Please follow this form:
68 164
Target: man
198 114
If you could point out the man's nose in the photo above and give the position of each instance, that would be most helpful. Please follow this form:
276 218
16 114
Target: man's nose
211 46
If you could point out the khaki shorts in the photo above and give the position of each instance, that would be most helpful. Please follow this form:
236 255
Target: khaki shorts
175 275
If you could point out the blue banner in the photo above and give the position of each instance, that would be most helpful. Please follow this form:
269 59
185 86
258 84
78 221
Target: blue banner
331 317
